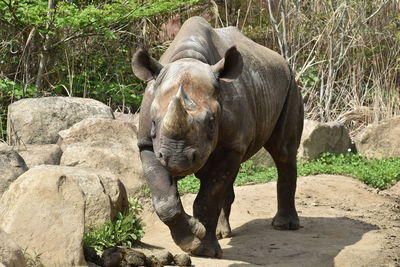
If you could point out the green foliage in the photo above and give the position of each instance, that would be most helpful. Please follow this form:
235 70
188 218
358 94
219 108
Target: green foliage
377 173
11 91
100 16
124 231
189 184
251 173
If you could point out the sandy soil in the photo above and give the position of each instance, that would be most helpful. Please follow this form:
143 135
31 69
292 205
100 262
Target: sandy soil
344 223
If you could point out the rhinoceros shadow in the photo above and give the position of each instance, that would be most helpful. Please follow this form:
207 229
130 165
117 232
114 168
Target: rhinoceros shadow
315 244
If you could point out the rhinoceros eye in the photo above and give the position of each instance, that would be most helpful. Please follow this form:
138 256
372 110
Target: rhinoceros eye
153 129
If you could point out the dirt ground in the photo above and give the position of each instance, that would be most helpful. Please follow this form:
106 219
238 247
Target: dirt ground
344 223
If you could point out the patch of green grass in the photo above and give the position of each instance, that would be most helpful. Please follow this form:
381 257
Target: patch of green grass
124 231
377 173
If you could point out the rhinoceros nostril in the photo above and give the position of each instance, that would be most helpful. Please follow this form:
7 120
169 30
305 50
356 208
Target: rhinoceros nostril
193 156
163 158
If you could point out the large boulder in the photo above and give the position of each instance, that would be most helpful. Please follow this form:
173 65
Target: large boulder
262 157
319 138
48 207
380 140
35 155
38 120
10 253
132 118
12 165
104 144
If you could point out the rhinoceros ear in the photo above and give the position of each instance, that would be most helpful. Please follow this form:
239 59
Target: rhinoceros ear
230 67
144 66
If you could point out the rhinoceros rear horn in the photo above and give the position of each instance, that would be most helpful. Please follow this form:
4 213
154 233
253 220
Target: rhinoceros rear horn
177 120
144 66
230 67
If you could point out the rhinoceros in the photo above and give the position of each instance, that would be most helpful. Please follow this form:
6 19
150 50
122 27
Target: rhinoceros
212 101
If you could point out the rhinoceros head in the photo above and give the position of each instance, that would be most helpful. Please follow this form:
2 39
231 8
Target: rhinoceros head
186 110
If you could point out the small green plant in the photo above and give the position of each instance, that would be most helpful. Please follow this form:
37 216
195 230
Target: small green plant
377 173
124 231
32 260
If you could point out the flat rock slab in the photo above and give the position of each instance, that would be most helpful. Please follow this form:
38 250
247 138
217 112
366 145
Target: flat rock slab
344 223
38 120
104 144
35 155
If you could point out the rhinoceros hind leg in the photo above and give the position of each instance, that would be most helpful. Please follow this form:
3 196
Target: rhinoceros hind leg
209 247
282 145
286 221
286 218
223 226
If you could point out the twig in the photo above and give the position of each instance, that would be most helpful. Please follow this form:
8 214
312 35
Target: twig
226 13
247 13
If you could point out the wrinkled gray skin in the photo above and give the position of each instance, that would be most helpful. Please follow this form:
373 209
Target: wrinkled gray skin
215 99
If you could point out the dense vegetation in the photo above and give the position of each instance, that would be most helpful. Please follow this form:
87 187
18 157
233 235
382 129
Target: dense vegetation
346 52
377 173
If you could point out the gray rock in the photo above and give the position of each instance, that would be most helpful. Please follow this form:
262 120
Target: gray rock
135 258
262 157
47 208
380 140
153 261
112 257
35 155
164 257
182 260
12 165
319 138
130 118
10 253
104 144
38 120
43 210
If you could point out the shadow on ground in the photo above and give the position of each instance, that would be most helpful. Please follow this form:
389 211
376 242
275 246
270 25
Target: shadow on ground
315 244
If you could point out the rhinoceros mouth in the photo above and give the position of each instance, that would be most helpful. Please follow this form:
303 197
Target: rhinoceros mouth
184 172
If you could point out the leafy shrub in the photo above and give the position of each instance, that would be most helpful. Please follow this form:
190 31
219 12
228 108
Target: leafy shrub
124 231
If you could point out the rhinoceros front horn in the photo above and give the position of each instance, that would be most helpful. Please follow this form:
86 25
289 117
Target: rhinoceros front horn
177 120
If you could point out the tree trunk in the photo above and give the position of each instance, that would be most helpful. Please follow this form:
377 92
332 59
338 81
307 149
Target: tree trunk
46 45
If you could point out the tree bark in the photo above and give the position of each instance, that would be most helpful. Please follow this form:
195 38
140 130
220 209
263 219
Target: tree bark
46 45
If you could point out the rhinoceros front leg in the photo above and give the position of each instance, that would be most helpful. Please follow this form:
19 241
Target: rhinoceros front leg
216 178
186 231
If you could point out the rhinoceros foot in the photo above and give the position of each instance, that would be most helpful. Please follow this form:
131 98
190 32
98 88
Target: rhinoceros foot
209 247
188 238
286 221
223 231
